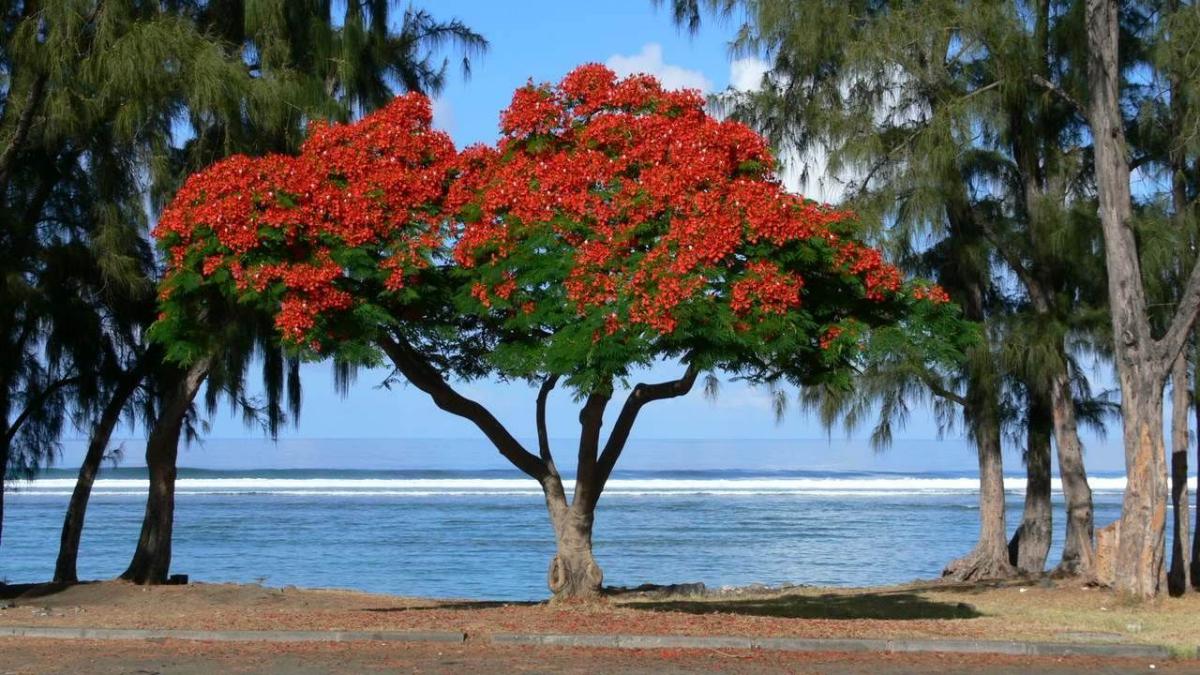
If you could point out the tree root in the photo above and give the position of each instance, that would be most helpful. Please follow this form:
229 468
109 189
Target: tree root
980 565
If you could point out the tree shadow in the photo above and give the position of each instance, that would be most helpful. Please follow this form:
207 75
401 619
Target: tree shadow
889 606
14 592
457 605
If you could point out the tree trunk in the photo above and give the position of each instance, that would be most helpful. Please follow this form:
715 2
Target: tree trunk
1139 563
574 575
66 566
5 449
1177 577
989 558
1030 544
1079 550
151 561
1195 566
1142 361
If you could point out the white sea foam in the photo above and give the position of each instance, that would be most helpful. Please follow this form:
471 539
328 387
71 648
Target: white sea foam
426 487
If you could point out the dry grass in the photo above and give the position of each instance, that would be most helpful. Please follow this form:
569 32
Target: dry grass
1021 610
1012 611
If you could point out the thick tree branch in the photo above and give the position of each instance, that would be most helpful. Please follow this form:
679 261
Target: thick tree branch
591 419
640 396
1171 344
543 433
425 377
938 389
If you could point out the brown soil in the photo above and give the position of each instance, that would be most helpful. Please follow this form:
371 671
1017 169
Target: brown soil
1054 613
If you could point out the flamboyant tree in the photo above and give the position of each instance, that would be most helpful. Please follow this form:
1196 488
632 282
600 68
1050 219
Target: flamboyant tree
614 225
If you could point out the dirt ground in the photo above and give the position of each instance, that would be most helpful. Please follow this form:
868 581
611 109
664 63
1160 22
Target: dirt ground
1021 611
1052 613
196 658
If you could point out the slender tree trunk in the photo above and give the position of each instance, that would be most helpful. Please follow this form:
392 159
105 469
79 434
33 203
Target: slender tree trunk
989 558
1079 548
5 449
66 566
1030 544
1177 577
1195 566
151 563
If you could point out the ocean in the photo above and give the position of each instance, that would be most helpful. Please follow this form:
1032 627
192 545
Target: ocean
485 534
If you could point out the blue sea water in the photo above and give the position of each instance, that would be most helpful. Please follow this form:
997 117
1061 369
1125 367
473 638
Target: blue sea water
485 534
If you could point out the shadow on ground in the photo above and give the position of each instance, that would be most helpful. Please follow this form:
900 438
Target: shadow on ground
465 605
891 606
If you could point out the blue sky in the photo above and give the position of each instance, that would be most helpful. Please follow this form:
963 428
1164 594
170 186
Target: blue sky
542 41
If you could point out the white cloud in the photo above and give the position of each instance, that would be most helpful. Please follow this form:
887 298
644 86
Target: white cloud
650 62
443 115
747 74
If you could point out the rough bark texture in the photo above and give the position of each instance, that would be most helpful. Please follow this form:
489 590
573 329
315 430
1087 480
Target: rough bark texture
1079 552
1142 361
1139 563
989 558
151 563
1030 544
1195 566
5 447
66 566
1177 577
574 575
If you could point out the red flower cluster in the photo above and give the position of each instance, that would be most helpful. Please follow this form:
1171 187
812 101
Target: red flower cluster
768 287
627 199
376 185
655 201
933 293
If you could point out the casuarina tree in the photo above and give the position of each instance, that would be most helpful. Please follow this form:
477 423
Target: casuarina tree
615 225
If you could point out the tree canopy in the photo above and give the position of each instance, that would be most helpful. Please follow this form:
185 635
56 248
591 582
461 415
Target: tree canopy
613 224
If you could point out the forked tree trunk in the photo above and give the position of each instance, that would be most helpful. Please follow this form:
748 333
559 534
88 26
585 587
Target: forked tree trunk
151 563
573 575
989 558
1177 577
1142 361
1079 548
1030 544
66 566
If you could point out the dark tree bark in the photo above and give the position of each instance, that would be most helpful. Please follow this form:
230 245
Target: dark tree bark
5 449
1079 548
981 407
1177 576
1030 544
573 574
151 563
1195 561
1143 362
66 565
989 558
